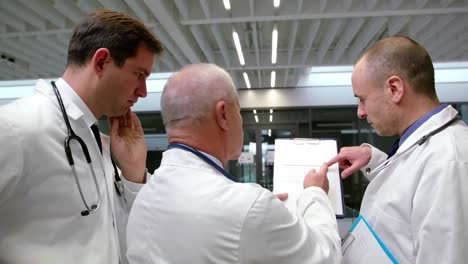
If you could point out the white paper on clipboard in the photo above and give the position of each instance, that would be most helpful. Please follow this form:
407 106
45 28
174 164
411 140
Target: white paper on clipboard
294 158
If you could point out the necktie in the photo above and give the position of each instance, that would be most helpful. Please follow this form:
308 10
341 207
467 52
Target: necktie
117 178
97 136
394 148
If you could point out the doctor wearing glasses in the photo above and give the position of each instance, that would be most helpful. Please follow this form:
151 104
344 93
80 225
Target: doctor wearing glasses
62 198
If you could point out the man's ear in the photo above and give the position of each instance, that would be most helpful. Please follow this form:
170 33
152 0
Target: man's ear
100 60
395 87
221 116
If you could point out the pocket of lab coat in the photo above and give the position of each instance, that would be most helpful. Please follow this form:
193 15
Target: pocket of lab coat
395 233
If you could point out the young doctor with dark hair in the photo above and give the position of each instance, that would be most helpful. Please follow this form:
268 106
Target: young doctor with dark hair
62 200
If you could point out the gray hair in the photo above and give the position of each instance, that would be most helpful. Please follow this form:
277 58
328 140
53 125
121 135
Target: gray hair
190 95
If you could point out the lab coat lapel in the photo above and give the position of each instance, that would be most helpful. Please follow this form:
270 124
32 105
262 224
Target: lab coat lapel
432 124
408 146
79 126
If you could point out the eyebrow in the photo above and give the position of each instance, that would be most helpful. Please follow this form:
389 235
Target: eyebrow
143 70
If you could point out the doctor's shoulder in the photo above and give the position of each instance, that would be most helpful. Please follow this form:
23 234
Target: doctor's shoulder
458 136
450 144
31 113
254 193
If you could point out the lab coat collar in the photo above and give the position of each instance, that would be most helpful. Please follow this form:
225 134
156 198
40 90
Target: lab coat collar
431 124
74 105
180 157
213 158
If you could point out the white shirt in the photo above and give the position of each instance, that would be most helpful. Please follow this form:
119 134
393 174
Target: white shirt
190 213
417 201
39 201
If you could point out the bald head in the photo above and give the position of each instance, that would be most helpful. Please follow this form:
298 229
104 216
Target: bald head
403 57
190 95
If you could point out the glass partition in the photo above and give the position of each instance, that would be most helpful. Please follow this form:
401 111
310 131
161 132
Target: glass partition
341 124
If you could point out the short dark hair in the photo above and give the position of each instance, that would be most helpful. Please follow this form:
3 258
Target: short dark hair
404 57
119 33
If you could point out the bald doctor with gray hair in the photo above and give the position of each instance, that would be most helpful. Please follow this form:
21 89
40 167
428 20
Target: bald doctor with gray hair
193 211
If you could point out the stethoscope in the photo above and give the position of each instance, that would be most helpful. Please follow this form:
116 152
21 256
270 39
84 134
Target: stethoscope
421 141
203 157
435 131
73 137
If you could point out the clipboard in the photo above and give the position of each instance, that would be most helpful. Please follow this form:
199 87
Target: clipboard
294 158
363 245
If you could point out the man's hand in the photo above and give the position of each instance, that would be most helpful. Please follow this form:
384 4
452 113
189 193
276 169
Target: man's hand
128 146
351 159
319 179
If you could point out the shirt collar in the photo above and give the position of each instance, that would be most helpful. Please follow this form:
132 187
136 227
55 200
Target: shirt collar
212 158
420 121
67 92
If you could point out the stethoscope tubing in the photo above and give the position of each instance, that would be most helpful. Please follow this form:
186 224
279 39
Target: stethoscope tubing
72 136
420 142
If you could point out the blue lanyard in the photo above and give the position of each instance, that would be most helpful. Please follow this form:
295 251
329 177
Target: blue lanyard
204 158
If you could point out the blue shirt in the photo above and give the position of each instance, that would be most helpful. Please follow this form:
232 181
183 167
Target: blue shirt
419 122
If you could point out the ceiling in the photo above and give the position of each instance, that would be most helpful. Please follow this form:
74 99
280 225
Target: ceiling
34 34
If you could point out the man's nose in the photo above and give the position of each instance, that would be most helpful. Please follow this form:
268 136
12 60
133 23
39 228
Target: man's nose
361 113
141 89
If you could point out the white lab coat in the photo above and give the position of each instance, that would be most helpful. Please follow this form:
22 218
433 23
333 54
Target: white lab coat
417 201
190 213
39 201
